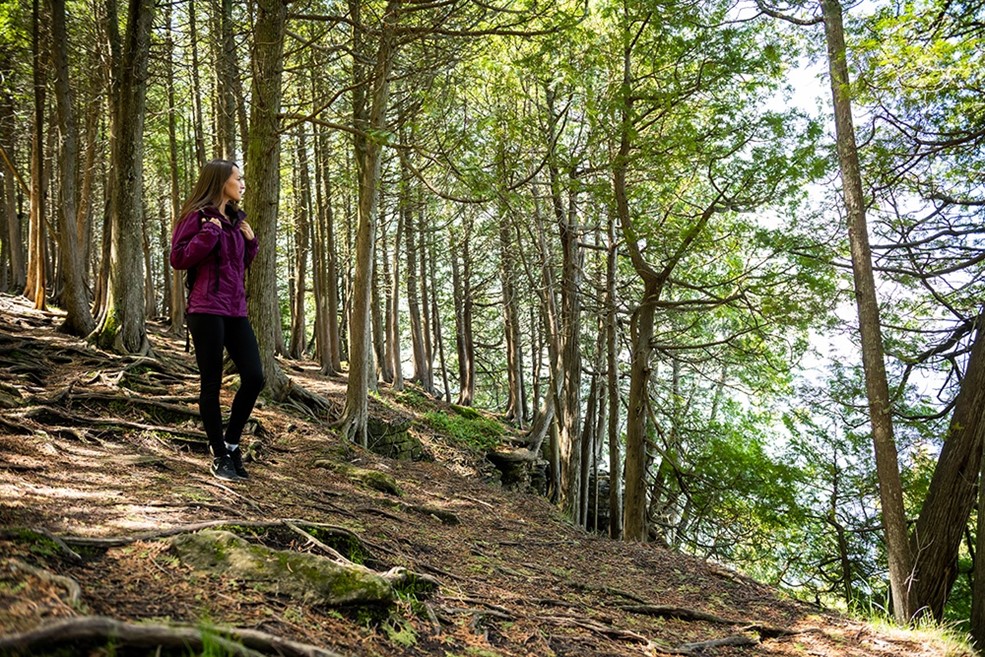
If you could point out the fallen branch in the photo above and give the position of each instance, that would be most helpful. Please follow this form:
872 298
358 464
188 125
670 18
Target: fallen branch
232 641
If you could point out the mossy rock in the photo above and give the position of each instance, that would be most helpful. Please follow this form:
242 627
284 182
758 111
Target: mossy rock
466 411
392 439
374 479
308 578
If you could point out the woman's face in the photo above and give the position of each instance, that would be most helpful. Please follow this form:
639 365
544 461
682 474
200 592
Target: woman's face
234 187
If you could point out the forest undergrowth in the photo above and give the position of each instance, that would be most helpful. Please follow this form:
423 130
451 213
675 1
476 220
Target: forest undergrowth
103 475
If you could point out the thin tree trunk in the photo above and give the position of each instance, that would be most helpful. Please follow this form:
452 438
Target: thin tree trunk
612 386
36 255
301 231
381 305
177 288
876 386
320 246
196 88
436 320
511 323
332 282
422 234
225 70
413 290
367 119
393 313
12 237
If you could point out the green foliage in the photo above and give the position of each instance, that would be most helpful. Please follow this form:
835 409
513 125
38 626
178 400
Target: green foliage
480 433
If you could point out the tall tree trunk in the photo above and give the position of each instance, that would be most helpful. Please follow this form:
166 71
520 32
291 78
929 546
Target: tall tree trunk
75 298
876 386
177 289
511 322
196 88
436 320
301 231
951 497
423 234
12 237
332 282
458 298
225 70
368 119
381 304
263 165
320 255
121 326
37 255
393 314
612 385
978 581
413 289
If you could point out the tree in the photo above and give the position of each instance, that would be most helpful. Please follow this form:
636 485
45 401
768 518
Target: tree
75 298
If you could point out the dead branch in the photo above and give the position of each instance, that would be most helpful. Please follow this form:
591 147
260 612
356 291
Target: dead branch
240 642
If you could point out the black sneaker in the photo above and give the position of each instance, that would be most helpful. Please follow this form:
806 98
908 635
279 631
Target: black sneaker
222 468
236 456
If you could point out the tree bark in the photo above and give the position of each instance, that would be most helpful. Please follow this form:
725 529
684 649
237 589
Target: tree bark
37 254
511 323
75 298
393 314
876 386
612 386
121 326
368 118
263 167
937 536
13 239
177 289
225 71
301 231
413 289
196 88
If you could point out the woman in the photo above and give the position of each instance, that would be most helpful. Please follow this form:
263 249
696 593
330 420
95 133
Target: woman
216 245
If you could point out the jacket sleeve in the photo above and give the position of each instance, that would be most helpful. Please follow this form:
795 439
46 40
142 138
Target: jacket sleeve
192 241
252 246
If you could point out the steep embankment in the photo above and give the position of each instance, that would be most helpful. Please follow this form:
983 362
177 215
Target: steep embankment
103 479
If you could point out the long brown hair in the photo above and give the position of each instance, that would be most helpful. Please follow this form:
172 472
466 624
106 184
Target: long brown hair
208 189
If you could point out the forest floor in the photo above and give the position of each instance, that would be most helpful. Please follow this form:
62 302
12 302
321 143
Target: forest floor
94 445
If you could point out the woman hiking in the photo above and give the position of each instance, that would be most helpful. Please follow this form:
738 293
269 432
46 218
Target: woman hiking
216 245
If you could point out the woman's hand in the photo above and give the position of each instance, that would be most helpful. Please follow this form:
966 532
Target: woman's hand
213 220
247 231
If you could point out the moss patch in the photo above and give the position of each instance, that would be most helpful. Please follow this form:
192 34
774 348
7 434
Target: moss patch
306 577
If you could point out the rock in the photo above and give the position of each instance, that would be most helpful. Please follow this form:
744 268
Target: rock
308 578
393 440
371 478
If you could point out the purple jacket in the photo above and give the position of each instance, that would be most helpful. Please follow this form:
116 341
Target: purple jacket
219 257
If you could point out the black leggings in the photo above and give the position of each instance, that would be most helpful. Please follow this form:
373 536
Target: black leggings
210 334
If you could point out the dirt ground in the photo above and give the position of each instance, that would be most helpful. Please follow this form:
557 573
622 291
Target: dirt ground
96 445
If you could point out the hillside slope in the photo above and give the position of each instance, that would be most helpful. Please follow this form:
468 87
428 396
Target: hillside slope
94 446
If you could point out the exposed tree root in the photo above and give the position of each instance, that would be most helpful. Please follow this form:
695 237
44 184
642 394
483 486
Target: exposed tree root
736 640
70 585
684 614
232 641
